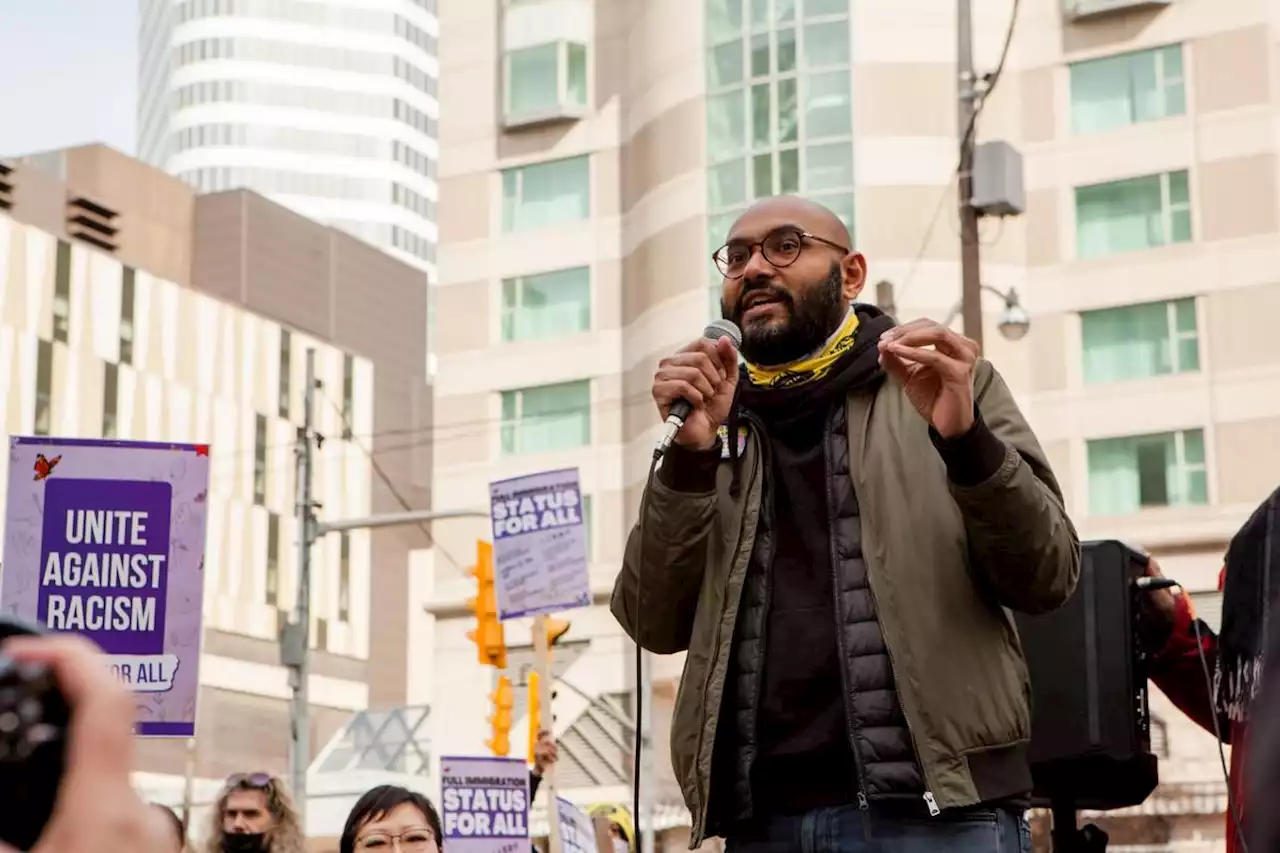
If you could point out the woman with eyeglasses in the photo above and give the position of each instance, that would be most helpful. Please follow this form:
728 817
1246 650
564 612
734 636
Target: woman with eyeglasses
391 819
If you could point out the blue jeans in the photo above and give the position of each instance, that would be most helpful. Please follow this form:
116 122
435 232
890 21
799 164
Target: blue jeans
846 829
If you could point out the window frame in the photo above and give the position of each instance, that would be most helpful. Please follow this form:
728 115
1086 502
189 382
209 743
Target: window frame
511 204
563 105
1163 80
509 314
509 443
1174 338
1168 210
1184 468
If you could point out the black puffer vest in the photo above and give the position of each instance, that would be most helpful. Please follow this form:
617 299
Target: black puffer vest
884 757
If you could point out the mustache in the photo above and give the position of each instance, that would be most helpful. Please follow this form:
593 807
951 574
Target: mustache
773 291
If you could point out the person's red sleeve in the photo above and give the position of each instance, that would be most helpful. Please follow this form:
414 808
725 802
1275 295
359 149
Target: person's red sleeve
1178 671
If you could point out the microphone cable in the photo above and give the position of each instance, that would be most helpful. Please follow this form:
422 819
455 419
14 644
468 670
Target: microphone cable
639 661
1233 807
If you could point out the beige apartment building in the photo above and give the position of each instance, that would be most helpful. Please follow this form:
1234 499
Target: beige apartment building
131 307
580 205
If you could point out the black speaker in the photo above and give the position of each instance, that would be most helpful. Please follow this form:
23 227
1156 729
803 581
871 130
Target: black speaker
1090 724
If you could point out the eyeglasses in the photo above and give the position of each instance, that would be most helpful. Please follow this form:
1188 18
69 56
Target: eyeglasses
418 840
780 247
253 781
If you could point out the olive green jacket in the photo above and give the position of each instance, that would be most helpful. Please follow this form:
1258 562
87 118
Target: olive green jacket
945 566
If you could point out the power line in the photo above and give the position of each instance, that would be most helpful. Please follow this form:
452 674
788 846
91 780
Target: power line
970 129
391 486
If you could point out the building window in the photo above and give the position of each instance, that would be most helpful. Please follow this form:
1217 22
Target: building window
1143 471
547 305
260 460
1126 216
542 195
1121 90
43 420
545 79
62 293
286 348
348 395
273 560
1140 341
127 284
110 400
779 109
344 579
546 418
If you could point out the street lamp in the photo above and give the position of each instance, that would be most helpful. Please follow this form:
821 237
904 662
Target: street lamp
1014 322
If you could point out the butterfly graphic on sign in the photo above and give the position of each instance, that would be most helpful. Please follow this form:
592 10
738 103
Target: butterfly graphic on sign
44 466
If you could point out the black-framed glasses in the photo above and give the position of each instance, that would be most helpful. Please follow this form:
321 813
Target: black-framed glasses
415 840
252 781
780 247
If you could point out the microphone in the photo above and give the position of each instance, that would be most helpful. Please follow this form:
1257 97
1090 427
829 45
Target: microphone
680 409
1151 584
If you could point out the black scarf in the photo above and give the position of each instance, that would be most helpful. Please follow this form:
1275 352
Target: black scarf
859 367
1251 585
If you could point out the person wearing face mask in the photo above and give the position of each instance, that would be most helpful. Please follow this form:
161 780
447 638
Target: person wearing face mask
621 828
836 539
254 814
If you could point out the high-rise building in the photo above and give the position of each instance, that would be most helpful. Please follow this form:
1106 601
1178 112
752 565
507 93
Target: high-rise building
581 211
325 106
131 307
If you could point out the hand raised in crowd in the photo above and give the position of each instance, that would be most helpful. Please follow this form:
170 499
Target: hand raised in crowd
935 368
97 808
545 752
706 374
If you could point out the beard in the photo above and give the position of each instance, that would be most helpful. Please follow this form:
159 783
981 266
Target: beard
811 319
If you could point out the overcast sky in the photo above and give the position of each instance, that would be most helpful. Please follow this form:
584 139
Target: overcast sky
68 74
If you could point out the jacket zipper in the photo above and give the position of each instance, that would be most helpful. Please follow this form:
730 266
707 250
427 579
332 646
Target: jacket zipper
704 810
930 802
766 503
845 698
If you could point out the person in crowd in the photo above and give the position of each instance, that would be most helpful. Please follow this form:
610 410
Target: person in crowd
170 827
545 756
1213 678
390 818
97 808
833 539
254 814
622 828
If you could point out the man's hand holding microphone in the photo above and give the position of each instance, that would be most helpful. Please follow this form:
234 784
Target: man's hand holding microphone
696 385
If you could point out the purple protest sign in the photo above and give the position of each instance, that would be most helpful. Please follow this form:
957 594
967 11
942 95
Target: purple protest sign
106 539
484 805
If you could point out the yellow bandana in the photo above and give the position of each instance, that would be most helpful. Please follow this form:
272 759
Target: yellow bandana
811 367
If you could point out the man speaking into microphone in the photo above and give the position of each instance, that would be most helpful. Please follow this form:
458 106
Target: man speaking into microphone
835 537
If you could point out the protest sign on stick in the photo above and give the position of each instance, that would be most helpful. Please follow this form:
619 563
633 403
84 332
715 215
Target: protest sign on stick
484 805
106 539
577 832
539 544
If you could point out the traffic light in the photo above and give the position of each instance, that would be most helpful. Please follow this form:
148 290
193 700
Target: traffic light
503 698
535 712
488 635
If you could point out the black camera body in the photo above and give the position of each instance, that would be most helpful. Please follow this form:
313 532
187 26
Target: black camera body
33 734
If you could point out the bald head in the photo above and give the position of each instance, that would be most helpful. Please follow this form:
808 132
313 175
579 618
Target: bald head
794 210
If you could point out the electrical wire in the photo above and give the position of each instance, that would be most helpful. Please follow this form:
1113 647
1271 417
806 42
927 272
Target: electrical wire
1233 807
970 129
390 484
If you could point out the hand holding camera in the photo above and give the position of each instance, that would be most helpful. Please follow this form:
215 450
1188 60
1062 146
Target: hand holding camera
66 749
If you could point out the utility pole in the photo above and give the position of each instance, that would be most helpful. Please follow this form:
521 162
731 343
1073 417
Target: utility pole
295 642
967 95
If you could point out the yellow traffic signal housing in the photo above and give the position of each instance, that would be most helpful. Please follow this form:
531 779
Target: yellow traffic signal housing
535 712
503 699
488 635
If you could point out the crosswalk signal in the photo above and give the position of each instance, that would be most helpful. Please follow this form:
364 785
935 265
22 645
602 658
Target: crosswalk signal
503 698
488 635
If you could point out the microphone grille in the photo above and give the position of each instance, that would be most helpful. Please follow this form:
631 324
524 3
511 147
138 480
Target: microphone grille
718 329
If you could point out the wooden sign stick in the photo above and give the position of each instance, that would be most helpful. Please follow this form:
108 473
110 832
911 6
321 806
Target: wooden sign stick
542 665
